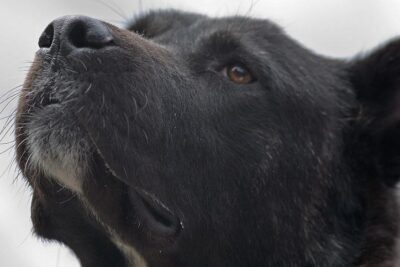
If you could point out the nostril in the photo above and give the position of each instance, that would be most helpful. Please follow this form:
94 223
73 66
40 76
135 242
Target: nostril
70 33
46 39
77 35
89 33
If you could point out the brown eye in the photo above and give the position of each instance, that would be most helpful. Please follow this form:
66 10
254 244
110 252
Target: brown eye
238 74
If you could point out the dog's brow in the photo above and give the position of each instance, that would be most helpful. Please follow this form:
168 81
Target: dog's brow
222 42
156 22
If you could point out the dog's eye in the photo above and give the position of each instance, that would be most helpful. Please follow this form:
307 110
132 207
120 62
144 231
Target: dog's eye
238 73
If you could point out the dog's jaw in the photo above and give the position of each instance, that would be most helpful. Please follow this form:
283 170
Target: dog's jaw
66 161
58 149
132 256
62 172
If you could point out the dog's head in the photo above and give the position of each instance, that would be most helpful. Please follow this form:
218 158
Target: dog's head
185 140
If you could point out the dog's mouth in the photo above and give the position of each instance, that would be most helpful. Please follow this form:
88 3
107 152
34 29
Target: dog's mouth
153 212
75 128
57 143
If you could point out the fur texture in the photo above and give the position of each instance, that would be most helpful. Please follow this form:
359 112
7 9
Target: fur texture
141 152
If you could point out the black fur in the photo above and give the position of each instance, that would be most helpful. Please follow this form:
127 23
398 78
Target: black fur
190 169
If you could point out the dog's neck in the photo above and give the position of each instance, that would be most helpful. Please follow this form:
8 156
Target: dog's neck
382 241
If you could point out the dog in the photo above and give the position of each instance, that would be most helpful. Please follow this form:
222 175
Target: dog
189 141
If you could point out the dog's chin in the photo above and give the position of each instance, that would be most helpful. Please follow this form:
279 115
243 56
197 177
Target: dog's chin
57 147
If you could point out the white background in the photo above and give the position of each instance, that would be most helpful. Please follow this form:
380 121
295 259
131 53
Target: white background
338 28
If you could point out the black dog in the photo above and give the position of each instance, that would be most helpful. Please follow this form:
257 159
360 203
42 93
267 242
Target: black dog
185 140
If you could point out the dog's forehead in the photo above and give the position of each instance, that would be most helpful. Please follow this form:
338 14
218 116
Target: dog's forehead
186 30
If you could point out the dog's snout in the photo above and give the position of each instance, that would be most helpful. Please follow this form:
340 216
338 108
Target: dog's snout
73 32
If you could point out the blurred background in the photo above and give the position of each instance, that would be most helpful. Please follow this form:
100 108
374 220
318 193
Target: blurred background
336 28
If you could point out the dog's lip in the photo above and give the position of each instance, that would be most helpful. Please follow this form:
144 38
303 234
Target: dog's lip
156 215
159 219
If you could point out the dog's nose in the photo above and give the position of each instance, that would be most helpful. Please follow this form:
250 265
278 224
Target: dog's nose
73 32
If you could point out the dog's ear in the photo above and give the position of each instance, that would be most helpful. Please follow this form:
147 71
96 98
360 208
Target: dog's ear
376 80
